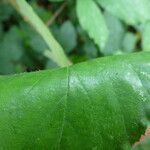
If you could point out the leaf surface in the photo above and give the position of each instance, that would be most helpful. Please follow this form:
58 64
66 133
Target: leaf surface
85 106
146 37
92 21
132 12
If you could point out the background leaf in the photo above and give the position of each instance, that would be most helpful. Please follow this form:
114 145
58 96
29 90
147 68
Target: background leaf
129 42
146 37
116 33
11 51
88 12
132 12
67 36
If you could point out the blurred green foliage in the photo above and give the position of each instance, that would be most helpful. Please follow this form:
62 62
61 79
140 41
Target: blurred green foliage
86 29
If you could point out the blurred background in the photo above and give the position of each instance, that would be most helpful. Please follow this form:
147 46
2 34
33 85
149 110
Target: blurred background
21 47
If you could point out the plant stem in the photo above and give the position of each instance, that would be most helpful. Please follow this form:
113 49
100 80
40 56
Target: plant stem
56 14
56 52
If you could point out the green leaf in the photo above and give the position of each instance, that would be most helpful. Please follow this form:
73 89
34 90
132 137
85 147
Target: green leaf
67 36
92 21
90 49
129 42
116 33
11 51
146 37
132 12
50 65
11 44
99 104
5 11
1 31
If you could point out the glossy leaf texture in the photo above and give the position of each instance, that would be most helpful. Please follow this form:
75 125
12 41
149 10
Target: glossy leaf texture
96 105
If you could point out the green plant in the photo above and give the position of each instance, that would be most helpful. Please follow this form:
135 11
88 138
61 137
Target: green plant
55 51
96 29
85 106
96 105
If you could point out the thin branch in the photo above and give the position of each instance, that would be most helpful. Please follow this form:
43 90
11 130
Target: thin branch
56 14
56 51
